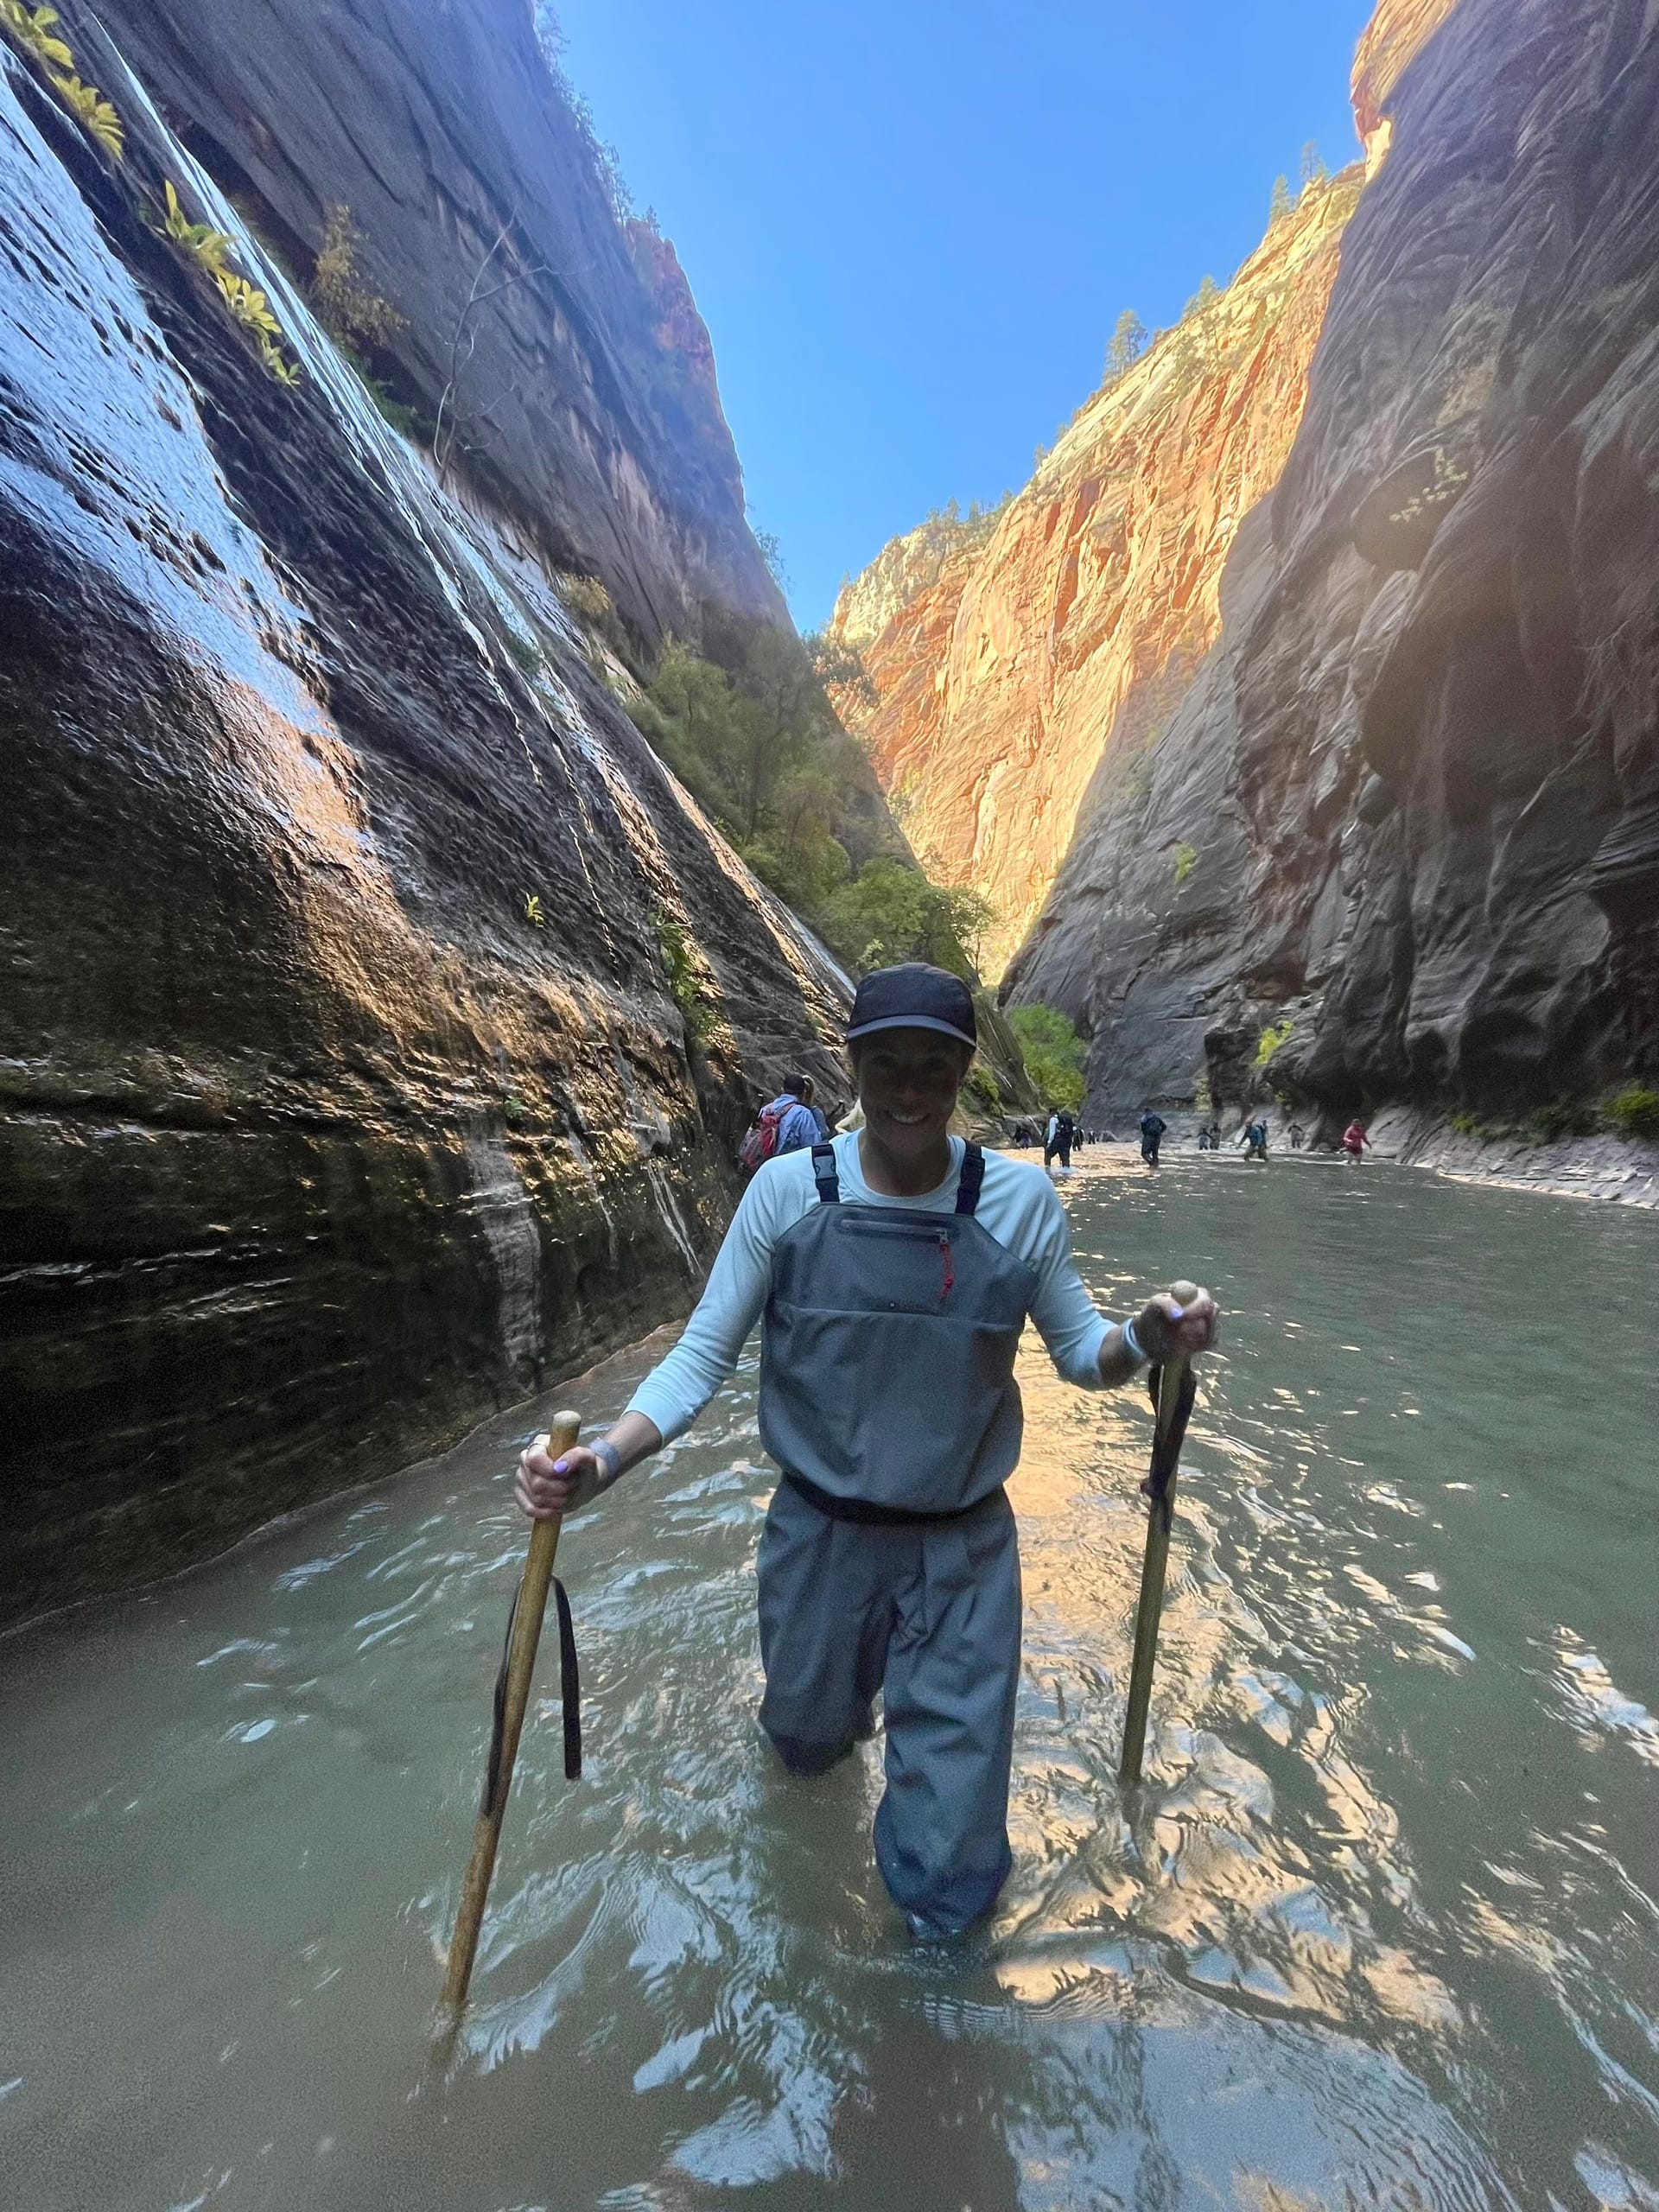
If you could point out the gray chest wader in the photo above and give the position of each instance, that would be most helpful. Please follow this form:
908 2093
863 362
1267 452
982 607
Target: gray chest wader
889 1561
887 1372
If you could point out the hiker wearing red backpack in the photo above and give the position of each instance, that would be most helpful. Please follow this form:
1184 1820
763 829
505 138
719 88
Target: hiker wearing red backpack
790 1123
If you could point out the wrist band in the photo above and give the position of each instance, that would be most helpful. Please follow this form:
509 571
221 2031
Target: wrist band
608 1457
1132 1343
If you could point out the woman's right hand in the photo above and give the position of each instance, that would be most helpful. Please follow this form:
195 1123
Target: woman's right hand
1167 1331
546 1487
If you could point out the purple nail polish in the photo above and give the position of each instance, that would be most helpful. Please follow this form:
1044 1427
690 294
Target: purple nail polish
1180 1312
558 1466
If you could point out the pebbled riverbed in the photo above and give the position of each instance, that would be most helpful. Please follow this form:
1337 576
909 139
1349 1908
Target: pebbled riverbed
1381 1929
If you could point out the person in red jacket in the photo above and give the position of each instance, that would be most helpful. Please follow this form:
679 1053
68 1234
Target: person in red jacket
1354 1139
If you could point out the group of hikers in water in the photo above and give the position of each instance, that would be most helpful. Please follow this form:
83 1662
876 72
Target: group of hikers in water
1063 1134
791 1122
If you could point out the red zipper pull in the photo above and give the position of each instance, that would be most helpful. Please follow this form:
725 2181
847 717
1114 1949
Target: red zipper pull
950 1282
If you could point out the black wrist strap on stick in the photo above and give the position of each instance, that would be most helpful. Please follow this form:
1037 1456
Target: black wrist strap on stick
569 1685
1167 1448
569 1701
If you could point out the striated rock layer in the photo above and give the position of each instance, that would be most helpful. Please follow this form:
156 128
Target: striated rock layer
1011 658
313 1145
1405 820
582 390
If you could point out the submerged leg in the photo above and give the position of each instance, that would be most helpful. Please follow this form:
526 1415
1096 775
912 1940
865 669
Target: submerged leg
952 1677
824 1620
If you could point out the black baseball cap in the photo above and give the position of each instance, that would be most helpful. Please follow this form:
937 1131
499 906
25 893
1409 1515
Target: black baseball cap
913 996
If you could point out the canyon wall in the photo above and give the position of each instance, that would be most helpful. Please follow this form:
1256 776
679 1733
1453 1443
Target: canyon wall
1312 749
1399 844
378 1018
583 391
1011 657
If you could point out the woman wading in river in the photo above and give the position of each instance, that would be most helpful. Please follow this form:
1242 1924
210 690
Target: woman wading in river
896 1269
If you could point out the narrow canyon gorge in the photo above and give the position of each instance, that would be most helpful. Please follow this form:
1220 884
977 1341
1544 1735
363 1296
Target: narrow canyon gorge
382 1012
1301 710
1089 1672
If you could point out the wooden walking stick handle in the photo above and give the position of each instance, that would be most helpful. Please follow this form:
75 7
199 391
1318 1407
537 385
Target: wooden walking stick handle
1172 1391
525 1636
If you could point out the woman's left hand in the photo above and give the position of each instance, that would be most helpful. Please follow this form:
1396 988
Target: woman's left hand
1172 1331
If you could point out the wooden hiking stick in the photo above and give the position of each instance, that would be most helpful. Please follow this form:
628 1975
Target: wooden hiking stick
511 1695
1173 1391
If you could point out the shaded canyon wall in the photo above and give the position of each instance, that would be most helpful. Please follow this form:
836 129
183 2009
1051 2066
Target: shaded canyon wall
314 1145
584 394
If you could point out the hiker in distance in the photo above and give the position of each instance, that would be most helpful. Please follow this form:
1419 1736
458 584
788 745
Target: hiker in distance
896 1269
1153 1126
1056 1139
790 1122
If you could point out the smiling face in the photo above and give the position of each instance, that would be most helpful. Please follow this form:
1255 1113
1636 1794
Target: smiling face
908 1080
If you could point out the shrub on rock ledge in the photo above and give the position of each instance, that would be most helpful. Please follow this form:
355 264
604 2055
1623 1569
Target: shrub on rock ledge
1635 1111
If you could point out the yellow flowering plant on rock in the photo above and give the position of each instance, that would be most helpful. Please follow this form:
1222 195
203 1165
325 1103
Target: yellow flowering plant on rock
33 30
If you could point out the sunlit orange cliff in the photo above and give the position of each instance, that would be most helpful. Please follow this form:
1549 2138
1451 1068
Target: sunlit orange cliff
1009 657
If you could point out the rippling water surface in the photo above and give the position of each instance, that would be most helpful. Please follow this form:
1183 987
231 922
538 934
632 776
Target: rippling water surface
1380 1929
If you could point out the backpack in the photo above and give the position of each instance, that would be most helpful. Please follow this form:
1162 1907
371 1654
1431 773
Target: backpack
761 1142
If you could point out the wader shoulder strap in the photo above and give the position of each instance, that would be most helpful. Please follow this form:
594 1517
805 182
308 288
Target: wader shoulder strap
973 1174
823 1169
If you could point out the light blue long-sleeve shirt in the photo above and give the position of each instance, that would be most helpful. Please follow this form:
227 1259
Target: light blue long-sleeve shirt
1018 1206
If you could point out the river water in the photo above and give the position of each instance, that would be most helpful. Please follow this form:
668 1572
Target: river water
1380 1929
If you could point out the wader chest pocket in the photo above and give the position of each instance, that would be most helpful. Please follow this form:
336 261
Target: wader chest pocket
919 1261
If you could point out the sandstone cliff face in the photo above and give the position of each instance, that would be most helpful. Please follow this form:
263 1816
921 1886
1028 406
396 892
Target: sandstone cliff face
313 1145
584 393
906 568
1418 778
900 614
1009 665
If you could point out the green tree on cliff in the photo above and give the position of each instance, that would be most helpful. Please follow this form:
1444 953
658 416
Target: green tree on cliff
781 715
772 552
603 158
891 912
1313 169
347 307
1204 299
1281 204
839 666
1128 343
760 748
1054 1053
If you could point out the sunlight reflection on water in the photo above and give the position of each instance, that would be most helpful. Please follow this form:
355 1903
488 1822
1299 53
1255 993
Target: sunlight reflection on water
1378 1930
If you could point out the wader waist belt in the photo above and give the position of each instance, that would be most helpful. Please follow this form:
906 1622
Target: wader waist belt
882 1516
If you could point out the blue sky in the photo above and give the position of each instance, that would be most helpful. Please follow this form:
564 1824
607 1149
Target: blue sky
911 226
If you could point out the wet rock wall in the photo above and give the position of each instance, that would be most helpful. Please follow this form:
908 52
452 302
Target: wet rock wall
316 1142
582 392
